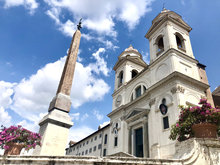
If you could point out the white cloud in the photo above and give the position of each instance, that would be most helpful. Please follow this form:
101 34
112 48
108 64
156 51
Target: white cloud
146 57
75 116
5 118
66 28
101 64
6 91
32 95
132 11
104 124
99 15
98 115
31 5
84 117
32 126
78 133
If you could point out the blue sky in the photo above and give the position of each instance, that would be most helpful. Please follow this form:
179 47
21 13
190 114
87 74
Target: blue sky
35 36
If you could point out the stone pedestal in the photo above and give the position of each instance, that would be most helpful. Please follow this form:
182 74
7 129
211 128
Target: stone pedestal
60 101
199 151
54 129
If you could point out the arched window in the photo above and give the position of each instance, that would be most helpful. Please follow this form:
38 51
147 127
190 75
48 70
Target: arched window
138 91
179 41
160 44
134 73
120 79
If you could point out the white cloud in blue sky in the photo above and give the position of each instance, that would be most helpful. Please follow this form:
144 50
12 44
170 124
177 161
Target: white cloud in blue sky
31 5
99 15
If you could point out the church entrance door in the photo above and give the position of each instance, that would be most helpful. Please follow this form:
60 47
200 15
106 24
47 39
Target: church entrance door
139 142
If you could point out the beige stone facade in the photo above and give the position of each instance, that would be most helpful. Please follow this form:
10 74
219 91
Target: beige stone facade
138 124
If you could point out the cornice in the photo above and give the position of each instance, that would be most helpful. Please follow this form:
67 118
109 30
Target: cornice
166 18
131 59
159 59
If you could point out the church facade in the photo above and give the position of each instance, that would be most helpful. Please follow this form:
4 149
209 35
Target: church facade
146 97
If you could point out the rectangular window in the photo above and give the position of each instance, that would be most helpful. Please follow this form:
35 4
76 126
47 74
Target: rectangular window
100 135
104 152
94 148
90 150
73 148
86 152
83 153
165 122
80 146
99 146
138 91
106 138
87 142
83 143
92 140
96 138
116 141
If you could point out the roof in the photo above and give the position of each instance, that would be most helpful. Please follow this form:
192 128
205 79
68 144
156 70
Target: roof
132 55
99 130
216 92
164 16
216 96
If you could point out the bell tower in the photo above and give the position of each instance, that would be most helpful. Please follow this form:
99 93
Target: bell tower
169 31
129 64
169 41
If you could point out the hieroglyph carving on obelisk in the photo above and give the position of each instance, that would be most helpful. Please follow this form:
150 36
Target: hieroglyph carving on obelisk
54 127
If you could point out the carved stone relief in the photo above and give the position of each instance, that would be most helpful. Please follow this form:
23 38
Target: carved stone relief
177 89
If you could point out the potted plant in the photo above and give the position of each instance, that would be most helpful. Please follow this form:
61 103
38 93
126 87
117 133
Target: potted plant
14 138
197 121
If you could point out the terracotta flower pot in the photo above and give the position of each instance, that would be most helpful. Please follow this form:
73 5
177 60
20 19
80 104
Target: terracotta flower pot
205 130
14 149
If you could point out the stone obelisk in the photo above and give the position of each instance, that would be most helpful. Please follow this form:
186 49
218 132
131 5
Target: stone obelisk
54 127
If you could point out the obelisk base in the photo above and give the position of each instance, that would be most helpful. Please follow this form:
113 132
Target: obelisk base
61 102
54 129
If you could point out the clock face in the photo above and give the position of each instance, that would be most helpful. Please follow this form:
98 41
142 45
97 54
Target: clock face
118 100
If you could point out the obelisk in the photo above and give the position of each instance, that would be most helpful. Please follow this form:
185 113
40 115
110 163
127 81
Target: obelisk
54 127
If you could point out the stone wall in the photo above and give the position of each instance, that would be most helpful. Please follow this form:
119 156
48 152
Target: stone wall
74 160
190 152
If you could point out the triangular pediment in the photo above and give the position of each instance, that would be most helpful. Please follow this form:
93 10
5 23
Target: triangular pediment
133 113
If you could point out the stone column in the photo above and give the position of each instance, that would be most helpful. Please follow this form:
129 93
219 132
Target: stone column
54 127
129 140
145 138
132 142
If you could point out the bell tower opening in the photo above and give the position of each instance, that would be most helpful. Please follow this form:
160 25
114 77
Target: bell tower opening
159 45
180 41
120 79
134 73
